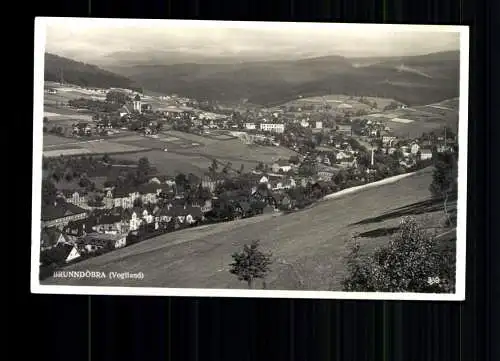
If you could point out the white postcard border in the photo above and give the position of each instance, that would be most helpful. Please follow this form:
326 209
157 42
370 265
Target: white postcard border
40 39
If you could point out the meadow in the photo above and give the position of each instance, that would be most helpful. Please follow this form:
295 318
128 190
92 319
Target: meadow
73 147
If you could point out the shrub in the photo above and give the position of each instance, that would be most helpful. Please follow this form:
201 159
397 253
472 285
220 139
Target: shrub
412 262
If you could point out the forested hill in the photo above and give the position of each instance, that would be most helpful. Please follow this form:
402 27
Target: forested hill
86 75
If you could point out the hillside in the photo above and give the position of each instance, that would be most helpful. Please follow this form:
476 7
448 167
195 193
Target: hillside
311 242
436 76
85 75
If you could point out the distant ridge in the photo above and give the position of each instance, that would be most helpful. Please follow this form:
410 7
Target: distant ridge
58 68
414 80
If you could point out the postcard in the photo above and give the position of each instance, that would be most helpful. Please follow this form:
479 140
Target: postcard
249 159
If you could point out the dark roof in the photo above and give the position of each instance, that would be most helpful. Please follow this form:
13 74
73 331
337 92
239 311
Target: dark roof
57 254
60 210
245 206
50 236
283 162
138 210
122 192
109 219
148 188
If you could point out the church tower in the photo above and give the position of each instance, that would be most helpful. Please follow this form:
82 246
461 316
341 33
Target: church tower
137 103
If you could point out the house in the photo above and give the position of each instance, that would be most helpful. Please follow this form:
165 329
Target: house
146 107
250 126
341 156
319 125
123 111
281 165
159 179
325 175
272 127
51 237
93 241
264 179
405 150
388 140
77 228
414 148
121 197
109 224
62 253
207 206
444 148
60 214
425 154
77 198
211 183
149 193
242 209
344 128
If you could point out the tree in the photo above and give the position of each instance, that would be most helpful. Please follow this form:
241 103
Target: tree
213 167
412 262
117 97
138 202
84 182
49 192
181 180
445 180
143 166
260 167
251 264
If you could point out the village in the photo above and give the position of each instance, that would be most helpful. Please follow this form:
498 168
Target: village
334 148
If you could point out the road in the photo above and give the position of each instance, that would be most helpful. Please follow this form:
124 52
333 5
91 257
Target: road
307 246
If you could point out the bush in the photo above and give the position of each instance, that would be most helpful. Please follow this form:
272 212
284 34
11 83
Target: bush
412 262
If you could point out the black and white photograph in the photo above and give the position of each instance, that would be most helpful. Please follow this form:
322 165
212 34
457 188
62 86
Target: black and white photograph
249 159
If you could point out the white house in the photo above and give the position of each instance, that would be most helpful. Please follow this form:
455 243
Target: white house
414 148
425 154
387 139
272 127
319 125
341 156
250 126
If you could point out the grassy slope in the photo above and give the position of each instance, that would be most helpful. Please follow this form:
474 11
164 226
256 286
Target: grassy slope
312 240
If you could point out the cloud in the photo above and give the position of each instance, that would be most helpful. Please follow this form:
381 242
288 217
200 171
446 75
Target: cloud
91 39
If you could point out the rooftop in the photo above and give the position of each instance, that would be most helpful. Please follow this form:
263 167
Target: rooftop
60 210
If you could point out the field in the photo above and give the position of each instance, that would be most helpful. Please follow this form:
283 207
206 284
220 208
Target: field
308 246
191 153
170 163
420 119
55 146
336 99
236 151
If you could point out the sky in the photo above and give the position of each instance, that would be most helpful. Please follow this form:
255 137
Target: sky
104 40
